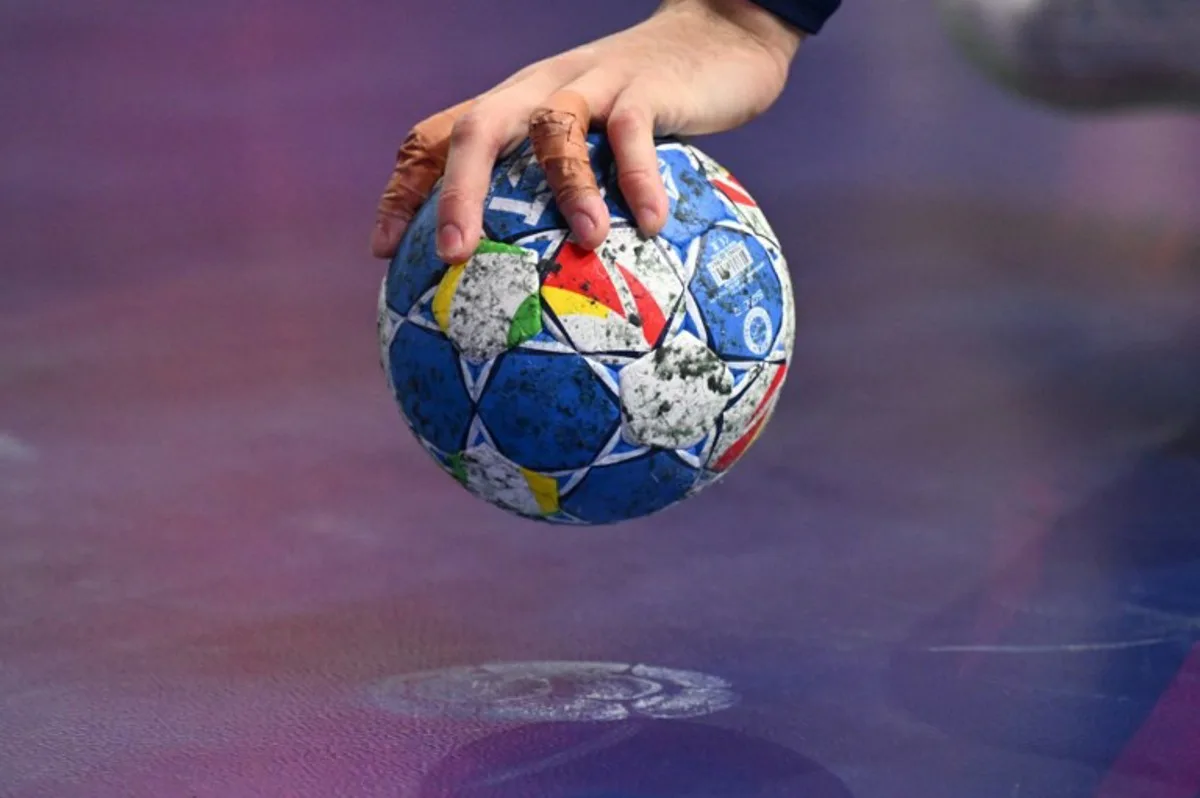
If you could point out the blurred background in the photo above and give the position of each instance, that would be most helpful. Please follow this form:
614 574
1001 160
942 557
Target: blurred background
964 562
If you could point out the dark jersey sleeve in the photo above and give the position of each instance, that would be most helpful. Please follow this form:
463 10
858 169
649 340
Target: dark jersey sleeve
807 15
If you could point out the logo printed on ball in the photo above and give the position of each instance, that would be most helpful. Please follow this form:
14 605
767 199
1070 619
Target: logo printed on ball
758 330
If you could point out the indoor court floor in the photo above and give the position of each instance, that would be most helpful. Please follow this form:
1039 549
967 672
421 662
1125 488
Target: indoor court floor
964 561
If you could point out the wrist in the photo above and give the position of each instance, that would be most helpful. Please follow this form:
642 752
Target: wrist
780 39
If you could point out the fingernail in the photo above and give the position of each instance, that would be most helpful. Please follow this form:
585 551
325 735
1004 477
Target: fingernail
583 225
449 239
648 218
386 236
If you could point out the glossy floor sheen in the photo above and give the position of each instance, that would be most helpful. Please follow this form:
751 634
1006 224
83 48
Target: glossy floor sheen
964 561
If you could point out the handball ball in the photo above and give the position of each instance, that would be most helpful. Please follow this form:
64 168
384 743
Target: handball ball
591 387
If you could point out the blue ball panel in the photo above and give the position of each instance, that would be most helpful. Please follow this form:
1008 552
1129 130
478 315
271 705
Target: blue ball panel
604 164
546 411
512 211
416 267
630 489
429 386
693 203
738 294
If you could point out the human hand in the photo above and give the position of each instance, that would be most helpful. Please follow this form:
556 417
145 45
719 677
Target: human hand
694 67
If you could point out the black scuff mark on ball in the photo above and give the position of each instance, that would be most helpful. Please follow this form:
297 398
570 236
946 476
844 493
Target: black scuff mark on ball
692 365
692 188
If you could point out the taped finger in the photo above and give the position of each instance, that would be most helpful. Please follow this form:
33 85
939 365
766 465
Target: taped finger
419 163
558 131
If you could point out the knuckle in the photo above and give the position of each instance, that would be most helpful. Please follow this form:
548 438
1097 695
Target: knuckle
412 141
527 72
400 197
398 205
460 198
571 195
637 175
453 197
581 58
637 181
628 120
470 127
570 178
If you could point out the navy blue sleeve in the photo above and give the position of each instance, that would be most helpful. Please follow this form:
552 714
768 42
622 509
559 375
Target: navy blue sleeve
807 15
